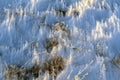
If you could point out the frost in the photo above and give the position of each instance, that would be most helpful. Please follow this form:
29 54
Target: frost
85 33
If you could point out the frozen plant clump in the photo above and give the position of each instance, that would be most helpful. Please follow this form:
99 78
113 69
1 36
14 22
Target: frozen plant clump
98 49
34 71
61 12
61 30
60 26
50 43
15 72
54 66
116 61
0 54
76 13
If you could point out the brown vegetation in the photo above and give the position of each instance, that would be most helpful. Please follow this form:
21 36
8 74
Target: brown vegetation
50 44
53 66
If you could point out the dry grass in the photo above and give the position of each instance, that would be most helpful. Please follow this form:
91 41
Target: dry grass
62 12
53 66
76 13
50 44
99 49
15 72
60 26
116 61
0 54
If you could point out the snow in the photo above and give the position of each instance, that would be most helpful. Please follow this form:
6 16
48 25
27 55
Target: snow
89 47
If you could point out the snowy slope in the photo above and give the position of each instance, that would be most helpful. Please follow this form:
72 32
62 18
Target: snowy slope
90 43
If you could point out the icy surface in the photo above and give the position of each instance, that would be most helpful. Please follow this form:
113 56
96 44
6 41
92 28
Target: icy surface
90 46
